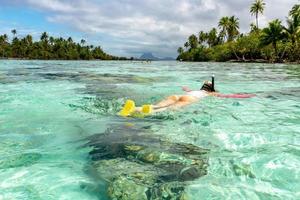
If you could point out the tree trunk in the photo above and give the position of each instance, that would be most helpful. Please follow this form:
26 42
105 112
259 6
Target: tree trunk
234 52
283 53
257 20
275 49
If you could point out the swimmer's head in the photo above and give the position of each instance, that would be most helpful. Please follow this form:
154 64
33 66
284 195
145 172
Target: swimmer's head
208 87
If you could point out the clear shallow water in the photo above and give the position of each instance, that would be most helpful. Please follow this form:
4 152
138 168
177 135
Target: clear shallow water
50 110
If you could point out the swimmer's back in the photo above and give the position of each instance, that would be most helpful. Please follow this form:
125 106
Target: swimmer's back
197 93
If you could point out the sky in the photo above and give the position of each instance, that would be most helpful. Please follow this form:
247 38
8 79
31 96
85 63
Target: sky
130 27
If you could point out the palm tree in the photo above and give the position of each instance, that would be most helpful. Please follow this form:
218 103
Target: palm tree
186 45
224 25
257 7
28 39
180 50
44 36
229 27
14 32
295 10
3 38
292 31
51 40
193 41
2 41
202 37
272 34
253 28
70 40
212 38
233 29
82 42
48 48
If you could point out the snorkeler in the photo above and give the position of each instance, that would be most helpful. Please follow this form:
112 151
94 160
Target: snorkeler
172 102
191 96
178 101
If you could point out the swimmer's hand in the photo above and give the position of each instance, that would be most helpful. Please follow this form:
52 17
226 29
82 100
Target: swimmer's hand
186 89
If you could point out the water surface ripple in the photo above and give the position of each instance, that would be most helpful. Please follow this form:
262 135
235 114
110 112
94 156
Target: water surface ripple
61 138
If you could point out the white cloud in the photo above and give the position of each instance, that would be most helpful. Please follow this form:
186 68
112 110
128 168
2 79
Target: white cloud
160 26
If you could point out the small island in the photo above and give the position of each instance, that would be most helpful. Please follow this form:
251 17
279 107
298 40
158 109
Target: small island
50 48
275 43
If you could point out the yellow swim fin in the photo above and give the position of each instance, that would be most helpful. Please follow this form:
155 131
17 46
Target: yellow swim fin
128 108
147 109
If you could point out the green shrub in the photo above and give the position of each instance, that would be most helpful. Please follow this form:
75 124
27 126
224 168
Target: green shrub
222 53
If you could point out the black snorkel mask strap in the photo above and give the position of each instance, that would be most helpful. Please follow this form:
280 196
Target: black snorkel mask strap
213 83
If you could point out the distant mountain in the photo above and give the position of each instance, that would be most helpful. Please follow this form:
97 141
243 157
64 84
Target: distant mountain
150 56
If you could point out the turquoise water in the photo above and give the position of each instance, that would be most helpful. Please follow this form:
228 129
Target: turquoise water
50 113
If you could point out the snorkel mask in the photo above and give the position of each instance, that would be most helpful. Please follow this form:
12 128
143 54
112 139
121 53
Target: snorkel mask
209 86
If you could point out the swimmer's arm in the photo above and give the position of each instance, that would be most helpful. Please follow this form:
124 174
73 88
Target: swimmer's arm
186 89
234 96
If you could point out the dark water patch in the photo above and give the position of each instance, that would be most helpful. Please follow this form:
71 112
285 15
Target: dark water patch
20 160
34 68
293 70
241 169
49 72
271 97
4 79
297 106
291 93
141 165
293 149
166 116
108 90
16 75
94 189
99 106
106 78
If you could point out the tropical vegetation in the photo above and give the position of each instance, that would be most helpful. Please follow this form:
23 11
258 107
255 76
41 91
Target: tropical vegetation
49 47
275 43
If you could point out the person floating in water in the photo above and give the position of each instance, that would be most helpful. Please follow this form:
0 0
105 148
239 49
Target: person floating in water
178 101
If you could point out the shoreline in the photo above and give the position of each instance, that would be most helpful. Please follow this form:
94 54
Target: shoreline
127 59
259 61
248 61
64 59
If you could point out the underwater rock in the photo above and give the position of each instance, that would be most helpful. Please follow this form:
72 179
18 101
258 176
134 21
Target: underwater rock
137 164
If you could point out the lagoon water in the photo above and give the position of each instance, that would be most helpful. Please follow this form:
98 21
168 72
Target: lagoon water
49 109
